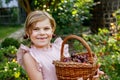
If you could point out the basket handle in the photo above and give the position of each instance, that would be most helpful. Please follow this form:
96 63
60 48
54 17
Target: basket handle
82 41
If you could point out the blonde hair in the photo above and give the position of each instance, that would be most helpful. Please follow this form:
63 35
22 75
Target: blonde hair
36 16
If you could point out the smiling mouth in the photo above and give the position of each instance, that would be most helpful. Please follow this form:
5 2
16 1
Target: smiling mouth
42 38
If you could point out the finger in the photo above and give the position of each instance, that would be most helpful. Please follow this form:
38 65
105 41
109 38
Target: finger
101 72
98 65
96 76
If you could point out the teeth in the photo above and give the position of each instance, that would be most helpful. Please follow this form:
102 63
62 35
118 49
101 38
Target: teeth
42 38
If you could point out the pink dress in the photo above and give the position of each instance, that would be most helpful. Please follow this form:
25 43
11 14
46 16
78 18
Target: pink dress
44 58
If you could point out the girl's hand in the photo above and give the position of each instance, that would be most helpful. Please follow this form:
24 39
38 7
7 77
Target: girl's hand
99 73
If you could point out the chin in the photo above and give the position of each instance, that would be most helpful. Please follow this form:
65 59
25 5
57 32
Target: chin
42 45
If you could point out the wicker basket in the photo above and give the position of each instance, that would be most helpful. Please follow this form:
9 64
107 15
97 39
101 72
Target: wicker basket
75 70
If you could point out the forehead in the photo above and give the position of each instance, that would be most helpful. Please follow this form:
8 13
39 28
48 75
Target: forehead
45 22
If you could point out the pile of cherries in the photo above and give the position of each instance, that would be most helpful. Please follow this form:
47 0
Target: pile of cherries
77 58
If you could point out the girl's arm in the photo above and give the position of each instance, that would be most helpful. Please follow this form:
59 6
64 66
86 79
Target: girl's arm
31 68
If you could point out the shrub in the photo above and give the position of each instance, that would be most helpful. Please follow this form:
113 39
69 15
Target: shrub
12 71
1 56
107 48
9 52
70 14
10 42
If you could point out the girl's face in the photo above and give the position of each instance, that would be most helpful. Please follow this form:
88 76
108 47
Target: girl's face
41 34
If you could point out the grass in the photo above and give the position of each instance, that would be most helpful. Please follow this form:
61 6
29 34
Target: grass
7 30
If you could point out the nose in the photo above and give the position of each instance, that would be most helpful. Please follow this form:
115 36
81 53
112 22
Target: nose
41 31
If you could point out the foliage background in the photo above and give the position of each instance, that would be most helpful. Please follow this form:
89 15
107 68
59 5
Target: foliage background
71 16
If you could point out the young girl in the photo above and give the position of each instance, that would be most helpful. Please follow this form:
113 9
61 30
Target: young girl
37 60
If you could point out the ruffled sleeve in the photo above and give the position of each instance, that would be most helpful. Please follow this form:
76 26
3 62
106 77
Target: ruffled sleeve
58 44
21 51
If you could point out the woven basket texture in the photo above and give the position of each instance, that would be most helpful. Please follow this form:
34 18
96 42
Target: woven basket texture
75 70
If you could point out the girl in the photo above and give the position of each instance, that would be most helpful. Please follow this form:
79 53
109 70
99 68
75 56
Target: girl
37 59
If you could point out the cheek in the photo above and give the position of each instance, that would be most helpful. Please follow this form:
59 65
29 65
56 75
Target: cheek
50 34
33 35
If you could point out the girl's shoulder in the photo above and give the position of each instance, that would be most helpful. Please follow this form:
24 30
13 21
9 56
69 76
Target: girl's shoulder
21 51
58 42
